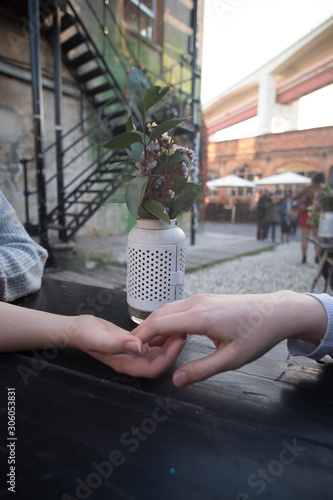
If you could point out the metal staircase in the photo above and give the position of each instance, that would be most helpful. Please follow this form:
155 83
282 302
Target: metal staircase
97 66
82 194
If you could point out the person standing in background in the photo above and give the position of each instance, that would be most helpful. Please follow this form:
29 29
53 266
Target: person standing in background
303 200
261 214
272 216
285 220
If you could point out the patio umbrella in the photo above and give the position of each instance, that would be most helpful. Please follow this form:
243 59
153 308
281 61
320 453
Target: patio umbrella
284 178
230 181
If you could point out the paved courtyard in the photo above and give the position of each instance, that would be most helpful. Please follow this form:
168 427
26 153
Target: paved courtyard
273 267
267 271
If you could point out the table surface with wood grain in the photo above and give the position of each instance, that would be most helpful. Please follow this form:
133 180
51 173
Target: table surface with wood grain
84 431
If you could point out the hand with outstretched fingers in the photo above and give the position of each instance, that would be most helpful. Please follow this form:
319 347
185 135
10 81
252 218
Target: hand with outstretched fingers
242 327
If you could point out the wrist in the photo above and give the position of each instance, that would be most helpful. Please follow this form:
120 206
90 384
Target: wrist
302 316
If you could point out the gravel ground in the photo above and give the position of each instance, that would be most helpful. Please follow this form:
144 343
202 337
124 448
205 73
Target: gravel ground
268 271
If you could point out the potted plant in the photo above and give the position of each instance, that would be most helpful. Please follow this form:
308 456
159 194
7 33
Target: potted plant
321 213
157 191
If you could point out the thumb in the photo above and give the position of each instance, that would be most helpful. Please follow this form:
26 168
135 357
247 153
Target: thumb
119 344
201 369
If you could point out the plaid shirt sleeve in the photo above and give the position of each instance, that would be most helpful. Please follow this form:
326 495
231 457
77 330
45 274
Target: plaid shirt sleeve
21 258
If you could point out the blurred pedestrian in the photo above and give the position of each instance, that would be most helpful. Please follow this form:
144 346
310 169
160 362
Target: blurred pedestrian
261 214
272 216
285 219
303 200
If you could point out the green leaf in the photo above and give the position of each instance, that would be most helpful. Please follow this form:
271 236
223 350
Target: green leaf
135 192
175 159
130 124
184 201
157 209
116 198
135 151
165 127
125 179
137 85
143 214
116 165
123 140
158 170
153 95
178 185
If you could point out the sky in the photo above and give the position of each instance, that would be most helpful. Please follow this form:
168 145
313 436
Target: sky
242 35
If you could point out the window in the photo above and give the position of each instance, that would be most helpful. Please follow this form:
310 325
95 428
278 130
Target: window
141 16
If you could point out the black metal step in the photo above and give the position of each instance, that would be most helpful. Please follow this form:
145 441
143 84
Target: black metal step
100 89
117 114
85 77
108 102
73 42
67 21
81 59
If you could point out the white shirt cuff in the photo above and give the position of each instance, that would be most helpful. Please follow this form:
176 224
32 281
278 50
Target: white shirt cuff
298 347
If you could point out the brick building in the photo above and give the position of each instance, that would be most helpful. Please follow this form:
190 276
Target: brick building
304 152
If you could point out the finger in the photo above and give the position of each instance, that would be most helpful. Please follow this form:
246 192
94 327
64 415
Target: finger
167 357
201 369
158 341
152 363
180 323
116 344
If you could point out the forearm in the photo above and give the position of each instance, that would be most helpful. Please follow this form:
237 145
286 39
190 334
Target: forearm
25 329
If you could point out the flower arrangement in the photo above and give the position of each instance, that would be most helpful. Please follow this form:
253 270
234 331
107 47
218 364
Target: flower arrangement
160 188
323 202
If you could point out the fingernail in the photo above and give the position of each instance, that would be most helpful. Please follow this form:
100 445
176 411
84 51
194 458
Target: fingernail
133 346
180 379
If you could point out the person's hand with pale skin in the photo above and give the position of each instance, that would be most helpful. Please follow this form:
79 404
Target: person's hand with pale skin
24 329
242 327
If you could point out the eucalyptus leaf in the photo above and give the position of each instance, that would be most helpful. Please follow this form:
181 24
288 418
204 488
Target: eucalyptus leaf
165 127
116 198
184 201
143 214
116 165
123 140
130 124
157 209
158 170
135 151
175 159
134 195
125 179
153 95
178 185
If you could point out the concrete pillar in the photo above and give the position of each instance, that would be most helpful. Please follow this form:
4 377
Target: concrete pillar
266 103
285 117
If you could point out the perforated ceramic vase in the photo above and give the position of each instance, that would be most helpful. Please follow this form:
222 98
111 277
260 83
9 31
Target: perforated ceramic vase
155 266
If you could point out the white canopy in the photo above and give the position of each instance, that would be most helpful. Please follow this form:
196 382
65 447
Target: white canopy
284 178
230 181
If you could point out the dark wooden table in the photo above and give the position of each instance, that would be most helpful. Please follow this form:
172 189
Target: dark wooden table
84 431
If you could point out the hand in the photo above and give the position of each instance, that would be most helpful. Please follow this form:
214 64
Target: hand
118 349
24 329
242 327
